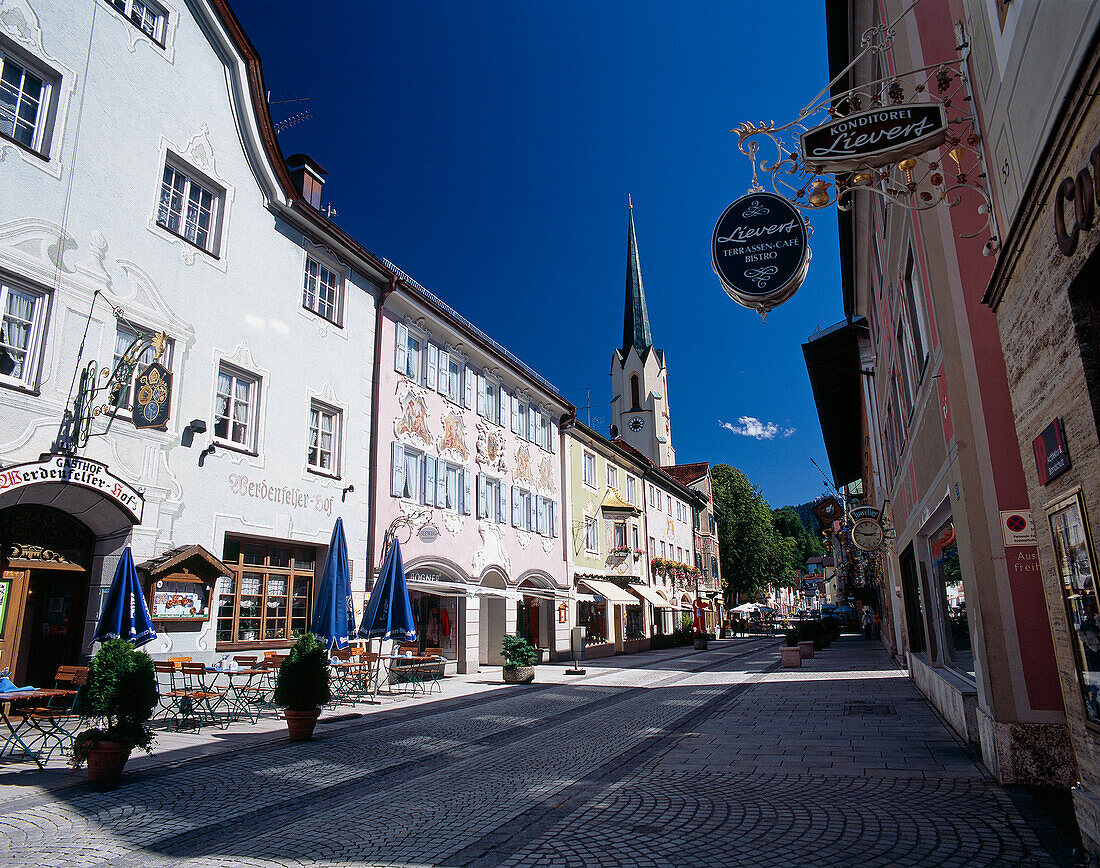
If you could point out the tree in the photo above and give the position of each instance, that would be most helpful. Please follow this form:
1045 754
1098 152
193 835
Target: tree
788 524
751 552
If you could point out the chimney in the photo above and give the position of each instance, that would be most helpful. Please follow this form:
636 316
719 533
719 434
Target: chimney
309 177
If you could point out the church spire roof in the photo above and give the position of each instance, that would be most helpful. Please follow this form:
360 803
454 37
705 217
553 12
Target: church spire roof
636 321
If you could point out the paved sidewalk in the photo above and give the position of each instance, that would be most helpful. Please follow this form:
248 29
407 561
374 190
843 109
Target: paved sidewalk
664 758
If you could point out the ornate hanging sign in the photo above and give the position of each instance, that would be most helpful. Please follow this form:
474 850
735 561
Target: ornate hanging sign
873 138
153 397
759 251
67 469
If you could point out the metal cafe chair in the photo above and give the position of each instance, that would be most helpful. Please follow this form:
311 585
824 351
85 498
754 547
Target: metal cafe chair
175 701
53 726
210 703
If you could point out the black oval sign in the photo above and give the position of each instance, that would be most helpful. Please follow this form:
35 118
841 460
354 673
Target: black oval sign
874 138
759 251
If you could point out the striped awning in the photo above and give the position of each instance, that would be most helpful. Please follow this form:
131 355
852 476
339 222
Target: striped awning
610 591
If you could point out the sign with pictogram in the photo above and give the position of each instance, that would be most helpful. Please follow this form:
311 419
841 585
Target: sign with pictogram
1016 527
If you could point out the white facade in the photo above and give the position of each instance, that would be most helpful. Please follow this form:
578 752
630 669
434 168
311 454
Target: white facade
161 207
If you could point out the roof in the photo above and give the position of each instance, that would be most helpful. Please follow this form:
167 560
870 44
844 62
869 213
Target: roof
195 554
833 363
613 500
636 319
686 474
661 472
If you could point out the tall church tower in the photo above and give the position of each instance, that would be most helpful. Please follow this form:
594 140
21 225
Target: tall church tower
639 382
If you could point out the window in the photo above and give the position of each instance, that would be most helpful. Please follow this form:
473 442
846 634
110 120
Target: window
26 96
124 339
324 438
428 480
236 407
189 208
631 491
321 291
635 393
146 17
491 499
546 428
668 499
589 470
612 477
652 547
679 554
22 334
448 373
634 528
519 418
407 353
619 533
914 305
591 535
407 474
491 400
664 549
268 594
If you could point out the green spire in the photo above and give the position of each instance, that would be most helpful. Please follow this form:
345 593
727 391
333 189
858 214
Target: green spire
636 321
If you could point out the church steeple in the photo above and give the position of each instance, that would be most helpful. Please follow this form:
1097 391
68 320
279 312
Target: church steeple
636 320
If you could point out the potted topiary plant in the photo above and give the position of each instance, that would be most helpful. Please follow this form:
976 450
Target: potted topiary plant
519 660
121 688
302 686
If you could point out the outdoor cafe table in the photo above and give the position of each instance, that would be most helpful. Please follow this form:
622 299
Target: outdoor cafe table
7 699
240 697
351 679
415 671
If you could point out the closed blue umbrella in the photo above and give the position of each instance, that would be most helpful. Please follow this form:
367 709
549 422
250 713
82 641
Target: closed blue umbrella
389 612
333 616
126 616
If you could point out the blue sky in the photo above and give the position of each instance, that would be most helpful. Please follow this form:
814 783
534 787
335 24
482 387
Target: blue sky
488 148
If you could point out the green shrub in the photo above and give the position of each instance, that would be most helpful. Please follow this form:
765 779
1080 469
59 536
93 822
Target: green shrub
791 637
122 689
303 680
518 652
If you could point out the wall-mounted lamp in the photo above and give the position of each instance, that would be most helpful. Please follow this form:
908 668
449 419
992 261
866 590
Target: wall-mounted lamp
344 493
209 450
195 426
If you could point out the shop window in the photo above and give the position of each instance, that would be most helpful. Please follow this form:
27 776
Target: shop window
593 617
635 622
268 596
437 623
1076 564
944 549
914 614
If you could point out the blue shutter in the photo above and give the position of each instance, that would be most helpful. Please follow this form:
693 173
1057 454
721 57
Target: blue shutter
464 490
481 405
553 518
428 497
516 507
440 483
469 387
442 376
398 483
533 513
502 503
433 367
401 349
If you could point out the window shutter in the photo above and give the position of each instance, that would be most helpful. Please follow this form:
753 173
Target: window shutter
533 513
502 503
515 414
469 386
429 481
553 518
531 414
442 383
440 483
553 436
464 491
398 484
515 507
482 409
433 366
544 518
401 349
481 501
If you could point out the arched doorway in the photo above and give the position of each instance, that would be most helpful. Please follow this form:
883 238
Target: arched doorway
47 561
535 614
494 620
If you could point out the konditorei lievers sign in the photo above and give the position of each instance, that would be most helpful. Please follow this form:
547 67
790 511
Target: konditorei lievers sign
759 251
874 138
75 471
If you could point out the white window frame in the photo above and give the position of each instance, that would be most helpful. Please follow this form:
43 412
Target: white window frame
138 13
449 369
588 469
612 476
252 423
591 535
336 415
312 284
146 358
631 490
192 180
36 334
42 126
408 362
519 417
491 501
411 487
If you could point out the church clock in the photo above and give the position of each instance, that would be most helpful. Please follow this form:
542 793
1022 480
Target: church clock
637 423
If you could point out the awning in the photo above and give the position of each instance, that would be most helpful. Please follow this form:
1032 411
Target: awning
611 591
833 363
647 593
613 502
460 589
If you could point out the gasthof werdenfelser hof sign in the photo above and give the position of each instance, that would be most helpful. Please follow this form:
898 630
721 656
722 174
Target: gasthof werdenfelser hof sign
873 138
759 251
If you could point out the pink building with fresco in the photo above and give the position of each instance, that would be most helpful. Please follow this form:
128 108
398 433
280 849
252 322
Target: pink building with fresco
468 472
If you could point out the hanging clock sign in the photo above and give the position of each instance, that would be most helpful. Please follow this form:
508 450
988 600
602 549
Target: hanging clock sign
152 397
874 138
759 251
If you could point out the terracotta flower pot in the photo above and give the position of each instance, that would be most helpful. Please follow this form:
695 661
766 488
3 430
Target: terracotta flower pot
106 761
300 723
519 674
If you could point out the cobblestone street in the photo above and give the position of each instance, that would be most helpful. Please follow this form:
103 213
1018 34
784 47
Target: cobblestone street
715 758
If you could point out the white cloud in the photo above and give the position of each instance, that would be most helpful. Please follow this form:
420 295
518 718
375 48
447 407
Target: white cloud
750 426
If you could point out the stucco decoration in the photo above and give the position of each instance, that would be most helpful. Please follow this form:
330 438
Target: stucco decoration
453 439
412 424
491 552
200 153
524 471
590 507
453 522
21 24
546 476
36 248
523 538
490 448
547 544
146 303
